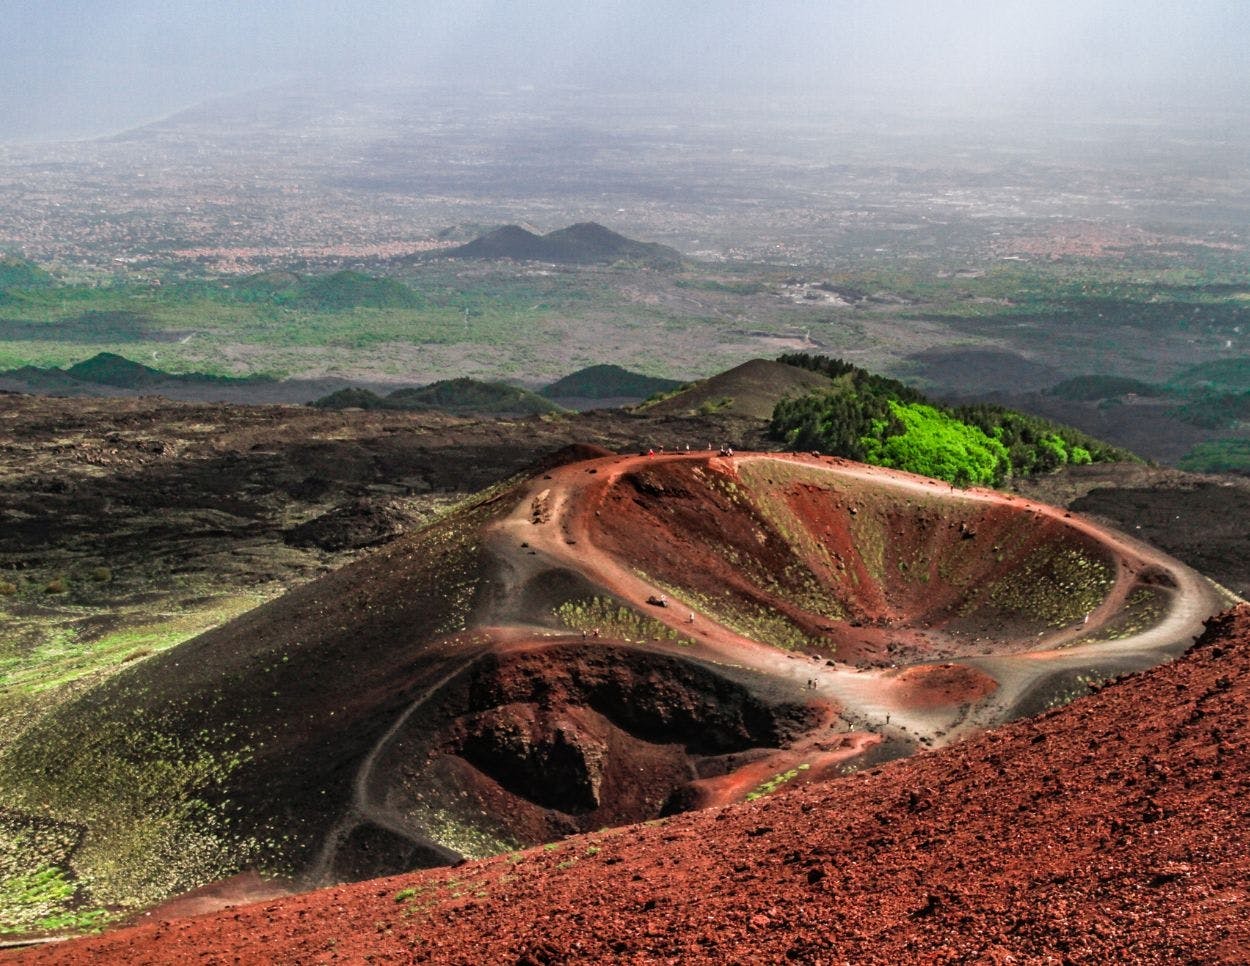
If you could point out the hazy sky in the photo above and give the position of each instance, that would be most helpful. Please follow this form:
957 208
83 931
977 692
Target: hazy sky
88 66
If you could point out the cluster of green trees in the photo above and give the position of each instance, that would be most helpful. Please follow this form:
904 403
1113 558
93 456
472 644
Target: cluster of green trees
881 421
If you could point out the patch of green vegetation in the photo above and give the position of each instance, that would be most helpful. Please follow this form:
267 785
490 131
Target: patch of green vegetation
877 420
1054 585
350 290
935 445
770 786
718 285
1090 388
1143 609
469 834
1221 375
663 394
1220 456
282 325
611 619
18 273
150 830
710 406
758 622
1075 685
44 901
1214 410
62 656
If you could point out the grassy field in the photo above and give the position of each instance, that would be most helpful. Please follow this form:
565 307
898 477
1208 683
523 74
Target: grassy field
533 323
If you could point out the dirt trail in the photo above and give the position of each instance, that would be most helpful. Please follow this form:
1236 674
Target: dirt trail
364 809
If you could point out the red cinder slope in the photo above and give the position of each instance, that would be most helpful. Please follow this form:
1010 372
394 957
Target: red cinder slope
1114 829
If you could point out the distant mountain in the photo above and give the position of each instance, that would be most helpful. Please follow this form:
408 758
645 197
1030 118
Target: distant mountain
607 382
587 243
458 396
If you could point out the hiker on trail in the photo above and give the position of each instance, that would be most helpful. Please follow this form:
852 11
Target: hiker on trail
690 619
595 632
650 453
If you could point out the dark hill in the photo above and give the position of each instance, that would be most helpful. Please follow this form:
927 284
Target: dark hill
351 398
587 243
461 396
752 389
472 395
118 372
351 290
510 241
110 369
1093 388
607 382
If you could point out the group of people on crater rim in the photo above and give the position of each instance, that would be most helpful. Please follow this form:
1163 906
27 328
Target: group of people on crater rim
725 450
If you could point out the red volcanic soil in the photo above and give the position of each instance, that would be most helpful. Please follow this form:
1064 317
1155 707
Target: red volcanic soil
1113 829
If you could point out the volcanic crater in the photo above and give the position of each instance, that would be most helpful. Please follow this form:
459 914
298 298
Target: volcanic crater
662 633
